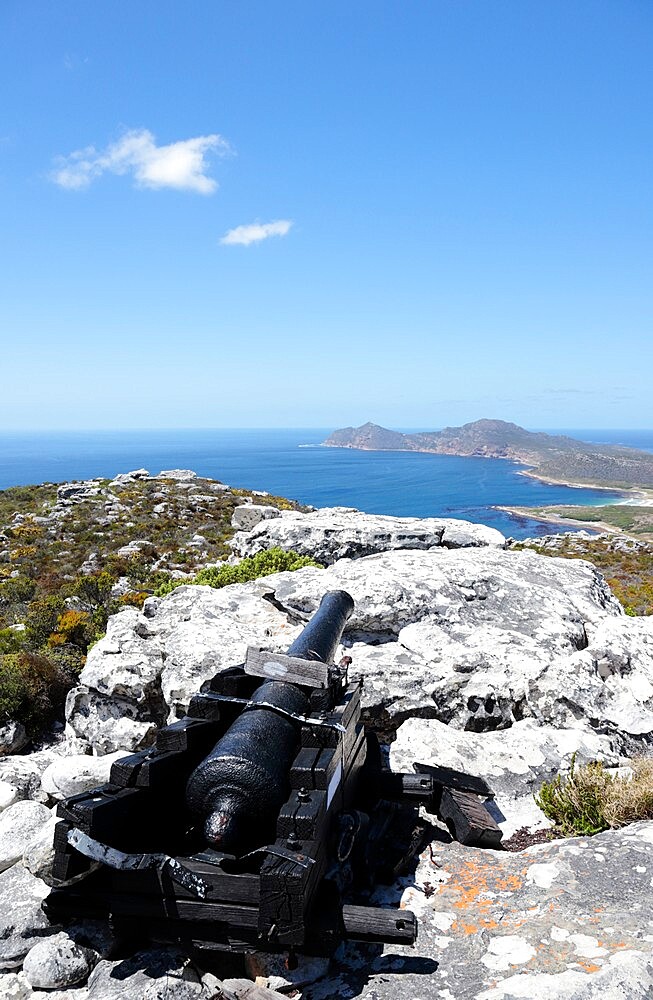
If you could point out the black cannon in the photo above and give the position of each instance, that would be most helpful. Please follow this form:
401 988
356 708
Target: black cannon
260 819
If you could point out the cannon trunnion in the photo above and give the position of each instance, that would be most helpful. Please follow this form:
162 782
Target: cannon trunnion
257 821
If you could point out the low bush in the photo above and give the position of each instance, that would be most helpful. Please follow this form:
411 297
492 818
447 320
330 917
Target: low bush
33 689
264 563
590 799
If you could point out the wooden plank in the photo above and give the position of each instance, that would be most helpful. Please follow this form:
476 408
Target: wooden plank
280 667
233 682
163 771
125 771
207 710
302 814
468 820
194 736
225 888
416 788
102 811
450 778
233 914
287 891
372 923
301 772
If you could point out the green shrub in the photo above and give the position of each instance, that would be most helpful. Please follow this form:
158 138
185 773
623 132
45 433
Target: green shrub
33 689
42 617
17 590
590 799
265 563
10 640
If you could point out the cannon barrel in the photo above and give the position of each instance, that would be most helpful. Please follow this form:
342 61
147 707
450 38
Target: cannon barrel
319 639
238 789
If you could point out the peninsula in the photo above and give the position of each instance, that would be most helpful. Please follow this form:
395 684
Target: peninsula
553 458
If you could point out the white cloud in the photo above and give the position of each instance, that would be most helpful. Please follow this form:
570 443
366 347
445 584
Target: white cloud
180 165
255 232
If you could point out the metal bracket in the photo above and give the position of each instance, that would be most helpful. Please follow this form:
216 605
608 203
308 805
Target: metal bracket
114 858
305 720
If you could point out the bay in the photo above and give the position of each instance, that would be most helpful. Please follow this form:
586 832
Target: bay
290 462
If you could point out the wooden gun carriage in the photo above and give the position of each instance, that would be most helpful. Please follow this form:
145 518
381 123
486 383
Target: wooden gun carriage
136 850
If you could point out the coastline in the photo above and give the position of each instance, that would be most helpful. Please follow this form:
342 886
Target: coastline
591 527
634 493
621 491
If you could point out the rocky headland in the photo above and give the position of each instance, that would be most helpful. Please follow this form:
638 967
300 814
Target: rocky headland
503 661
553 458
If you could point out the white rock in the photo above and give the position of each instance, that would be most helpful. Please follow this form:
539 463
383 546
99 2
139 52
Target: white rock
13 736
22 921
38 855
110 722
19 823
333 533
248 515
8 794
626 976
58 962
158 974
14 986
70 775
127 660
179 474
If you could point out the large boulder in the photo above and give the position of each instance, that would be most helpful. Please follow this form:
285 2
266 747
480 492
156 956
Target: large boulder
248 515
67 776
22 921
147 668
19 823
333 533
58 962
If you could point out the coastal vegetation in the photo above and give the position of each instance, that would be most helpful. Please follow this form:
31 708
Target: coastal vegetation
628 568
274 560
591 798
70 556
630 518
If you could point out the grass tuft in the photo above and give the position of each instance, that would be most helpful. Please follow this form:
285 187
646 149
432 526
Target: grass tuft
590 799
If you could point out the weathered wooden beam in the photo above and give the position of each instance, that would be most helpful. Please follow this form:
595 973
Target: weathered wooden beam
468 820
372 923
281 667
458 780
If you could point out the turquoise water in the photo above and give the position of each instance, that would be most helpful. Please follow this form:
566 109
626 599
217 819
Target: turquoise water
291 463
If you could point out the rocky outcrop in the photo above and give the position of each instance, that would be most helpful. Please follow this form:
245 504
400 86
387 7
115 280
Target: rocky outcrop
570 919
333 533
477 638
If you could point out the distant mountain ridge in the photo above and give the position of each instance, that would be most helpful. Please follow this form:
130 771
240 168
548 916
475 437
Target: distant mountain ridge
554 456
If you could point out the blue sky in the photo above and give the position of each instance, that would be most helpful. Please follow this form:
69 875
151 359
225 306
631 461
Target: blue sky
262 213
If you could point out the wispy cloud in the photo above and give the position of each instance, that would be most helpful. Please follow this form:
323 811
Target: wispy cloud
255 232
180 165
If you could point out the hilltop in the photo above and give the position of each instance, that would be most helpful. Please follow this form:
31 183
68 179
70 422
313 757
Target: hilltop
73 554
552 457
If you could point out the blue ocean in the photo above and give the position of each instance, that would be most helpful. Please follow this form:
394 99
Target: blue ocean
290 463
